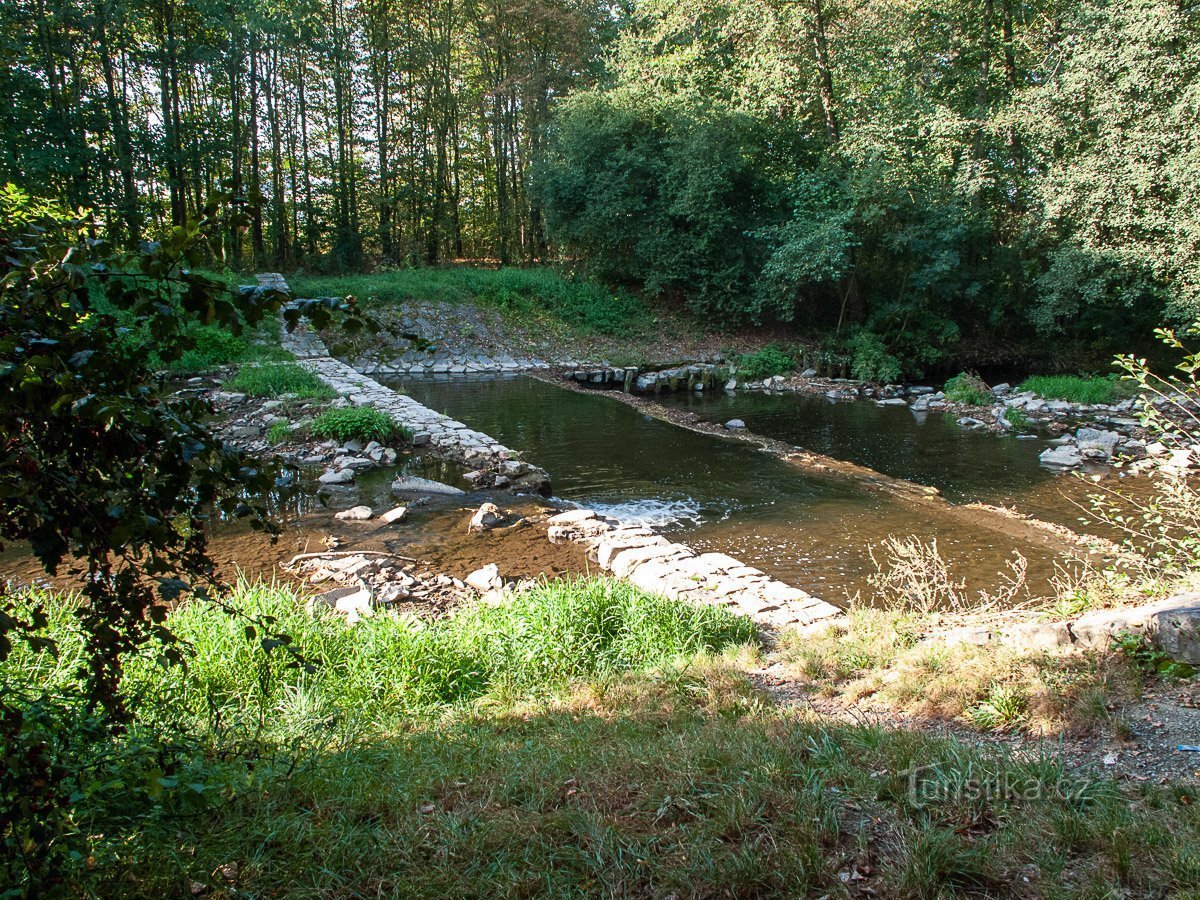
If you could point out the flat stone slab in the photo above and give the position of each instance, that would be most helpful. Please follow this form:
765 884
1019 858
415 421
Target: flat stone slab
659 566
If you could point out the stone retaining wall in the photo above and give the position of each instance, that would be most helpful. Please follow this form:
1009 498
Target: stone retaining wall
659 566
429 428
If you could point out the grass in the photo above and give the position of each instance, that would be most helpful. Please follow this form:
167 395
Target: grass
1017 418
279 432
277 379
968 389
584 740
580 304
1088 390
364 423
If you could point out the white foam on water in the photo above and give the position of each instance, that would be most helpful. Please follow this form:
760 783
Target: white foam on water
650 512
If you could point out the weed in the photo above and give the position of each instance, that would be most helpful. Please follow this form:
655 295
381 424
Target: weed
1002 708
1147 658
968 389
277 379
364 423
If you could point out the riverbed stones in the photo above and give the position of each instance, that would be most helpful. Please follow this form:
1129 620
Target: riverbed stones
337 476
735 425
395 514
354 514
485 579
1105 442
412 484
1065 456
487 517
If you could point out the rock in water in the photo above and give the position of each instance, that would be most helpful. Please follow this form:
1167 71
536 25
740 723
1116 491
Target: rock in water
410 484
1064 457
1097 439
735 424
394 515
485 518
355 514
337 476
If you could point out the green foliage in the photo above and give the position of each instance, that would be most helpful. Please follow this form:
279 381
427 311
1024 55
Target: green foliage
871 359
968 389
1002 709
279 379
662 193
363 423
1017 418
279 432
1075 388
763 363
579 303
1148 659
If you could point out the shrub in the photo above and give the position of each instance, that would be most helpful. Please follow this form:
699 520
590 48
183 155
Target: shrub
770 360
363 423
872 361
1076 388
968 389
277 379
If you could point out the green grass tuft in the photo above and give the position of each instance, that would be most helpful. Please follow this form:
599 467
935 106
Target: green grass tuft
364 423
276 379
1077 388
968 389
1017 418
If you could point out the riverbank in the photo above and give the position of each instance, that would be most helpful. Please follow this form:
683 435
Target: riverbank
582 738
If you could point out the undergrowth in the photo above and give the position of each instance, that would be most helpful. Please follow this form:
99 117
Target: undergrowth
968 389
1077 388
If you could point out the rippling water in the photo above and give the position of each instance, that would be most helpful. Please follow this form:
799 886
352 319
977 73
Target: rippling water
725 495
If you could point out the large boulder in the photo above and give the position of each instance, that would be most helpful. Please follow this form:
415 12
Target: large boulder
1097 439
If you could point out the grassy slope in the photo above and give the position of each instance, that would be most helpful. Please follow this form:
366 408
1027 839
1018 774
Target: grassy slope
586 740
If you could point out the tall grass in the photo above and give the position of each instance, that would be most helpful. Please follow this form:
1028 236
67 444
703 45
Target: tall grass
1078 388
275 379
579 303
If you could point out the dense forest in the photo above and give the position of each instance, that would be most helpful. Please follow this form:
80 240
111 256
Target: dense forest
910 179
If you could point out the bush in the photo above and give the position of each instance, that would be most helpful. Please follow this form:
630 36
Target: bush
279 432
872 361
770 360
364 423
969 389
1076 388
276 379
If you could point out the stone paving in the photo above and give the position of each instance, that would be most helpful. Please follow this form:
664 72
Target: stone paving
655 564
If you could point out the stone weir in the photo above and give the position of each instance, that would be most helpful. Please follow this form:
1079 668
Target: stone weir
632 380
449 438
660 566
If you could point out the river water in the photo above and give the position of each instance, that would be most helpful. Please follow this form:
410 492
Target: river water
809 530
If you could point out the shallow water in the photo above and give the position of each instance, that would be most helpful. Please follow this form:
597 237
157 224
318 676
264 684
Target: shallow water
718 494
